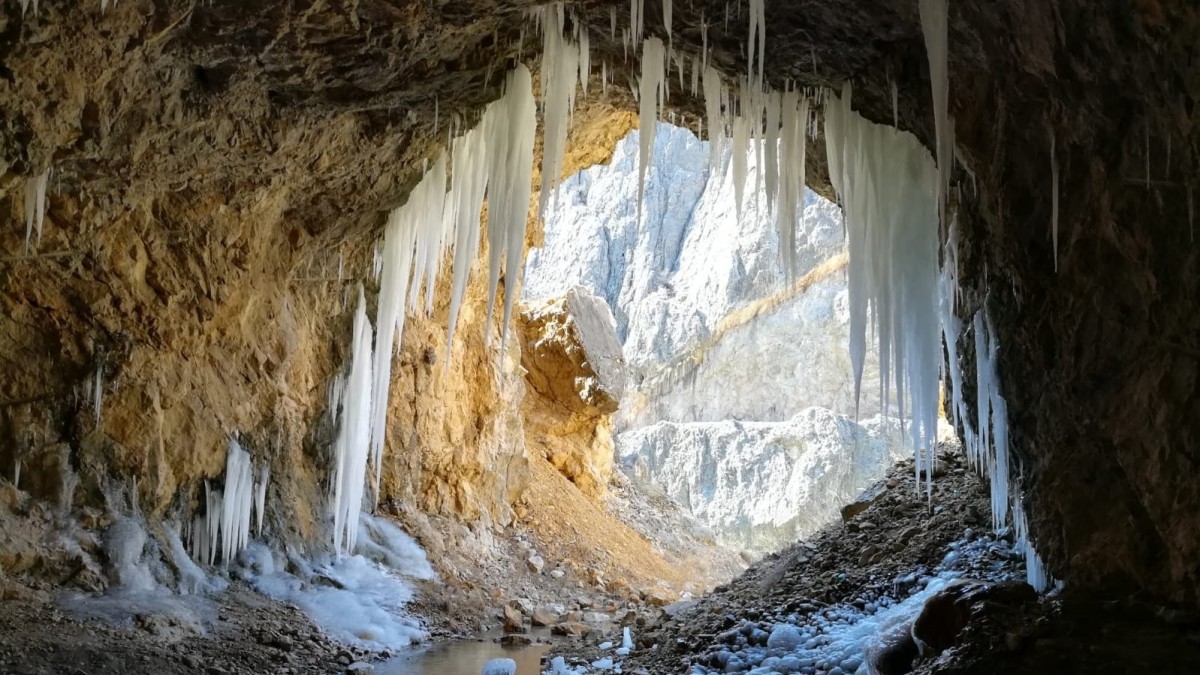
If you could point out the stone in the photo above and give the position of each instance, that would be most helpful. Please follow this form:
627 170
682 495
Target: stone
570 629
536 563
360 668
543 617
514 621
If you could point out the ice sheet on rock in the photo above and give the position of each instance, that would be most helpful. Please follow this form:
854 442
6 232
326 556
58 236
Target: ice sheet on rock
352 599
386 543
500 667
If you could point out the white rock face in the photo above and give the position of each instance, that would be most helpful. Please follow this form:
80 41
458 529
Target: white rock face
740 382
761 485
677 280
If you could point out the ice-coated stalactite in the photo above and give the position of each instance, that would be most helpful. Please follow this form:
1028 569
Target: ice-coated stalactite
350 397
612 22
650 102
935 28
35 202
774 103
636 20
468 183
585 59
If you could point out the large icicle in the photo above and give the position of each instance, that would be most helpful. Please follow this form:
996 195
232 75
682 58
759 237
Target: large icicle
888 186
757 40
650 102
510 169
712 109
560 72
666 8
741 147
468 182
237 502
935 27
260 499
350 396
792 149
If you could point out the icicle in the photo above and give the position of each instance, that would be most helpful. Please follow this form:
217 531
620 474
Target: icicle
934 26
888 185
98 392
350 396
560 72
509 174
741 139
697 68
666 7
1054 199
704 44
636 25
585 59
260 499
792 149
612 22
774 102
712 108
17 473
35 201
236 503
436 113
895 105
758 38
650 102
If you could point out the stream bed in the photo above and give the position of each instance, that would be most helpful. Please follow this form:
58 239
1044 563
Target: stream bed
467 656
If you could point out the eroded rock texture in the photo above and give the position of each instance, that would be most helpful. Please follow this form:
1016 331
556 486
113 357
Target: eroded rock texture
216 164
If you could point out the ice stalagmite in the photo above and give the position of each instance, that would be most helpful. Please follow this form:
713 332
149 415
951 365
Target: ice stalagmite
350 396
888 187
934 26
650 101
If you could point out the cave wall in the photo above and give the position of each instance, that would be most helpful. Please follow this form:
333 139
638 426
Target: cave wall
215 164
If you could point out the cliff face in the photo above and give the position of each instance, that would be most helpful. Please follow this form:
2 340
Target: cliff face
213 163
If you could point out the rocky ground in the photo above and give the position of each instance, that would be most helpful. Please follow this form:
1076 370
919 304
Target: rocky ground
890 541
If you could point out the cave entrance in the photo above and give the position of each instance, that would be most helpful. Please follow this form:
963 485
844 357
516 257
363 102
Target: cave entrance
738 400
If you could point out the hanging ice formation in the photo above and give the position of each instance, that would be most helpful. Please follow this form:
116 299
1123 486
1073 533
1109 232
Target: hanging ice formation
757 39
260 499
636 20
650 103
561 69
713 100
225 526
985 440
350 396
887 183
35 198
98 392
792 149
666 8
934 26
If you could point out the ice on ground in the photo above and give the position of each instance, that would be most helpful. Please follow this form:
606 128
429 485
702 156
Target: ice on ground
500 667
357 599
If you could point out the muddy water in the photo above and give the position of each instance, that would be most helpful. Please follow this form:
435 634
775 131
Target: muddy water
465 657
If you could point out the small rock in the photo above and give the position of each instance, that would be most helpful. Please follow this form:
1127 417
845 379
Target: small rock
514 621
360 668
557 574
570 629
515 641
543 617
536 563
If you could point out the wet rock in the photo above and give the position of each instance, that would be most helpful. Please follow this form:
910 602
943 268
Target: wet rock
360 668
514 620
515 641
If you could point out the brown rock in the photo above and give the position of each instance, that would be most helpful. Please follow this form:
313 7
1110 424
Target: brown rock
514 621
570 629
544 617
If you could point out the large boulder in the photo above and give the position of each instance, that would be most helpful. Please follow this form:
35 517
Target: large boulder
576 376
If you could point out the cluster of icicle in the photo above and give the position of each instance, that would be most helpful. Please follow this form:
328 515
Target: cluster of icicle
225 526
35 203
985 440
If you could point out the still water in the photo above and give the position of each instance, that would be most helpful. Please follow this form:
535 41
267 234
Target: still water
465 657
